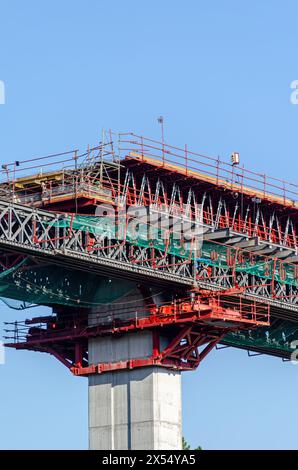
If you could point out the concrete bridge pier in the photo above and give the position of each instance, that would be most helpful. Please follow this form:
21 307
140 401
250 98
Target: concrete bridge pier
132 409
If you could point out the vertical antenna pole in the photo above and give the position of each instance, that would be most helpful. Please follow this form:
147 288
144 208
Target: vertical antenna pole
76 180
119 174
160 120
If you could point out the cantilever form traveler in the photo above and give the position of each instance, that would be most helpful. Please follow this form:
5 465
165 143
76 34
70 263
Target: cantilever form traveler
149 255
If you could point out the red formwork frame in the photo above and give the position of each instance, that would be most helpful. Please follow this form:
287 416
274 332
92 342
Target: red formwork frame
199 322
193 334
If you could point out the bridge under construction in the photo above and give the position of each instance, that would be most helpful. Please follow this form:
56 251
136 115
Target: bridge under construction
149 256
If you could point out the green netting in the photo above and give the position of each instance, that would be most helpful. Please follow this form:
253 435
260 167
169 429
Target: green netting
212 254
278 338
31 284
139 234
255 265
49 285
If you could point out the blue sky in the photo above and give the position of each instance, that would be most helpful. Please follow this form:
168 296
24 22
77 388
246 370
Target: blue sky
219 71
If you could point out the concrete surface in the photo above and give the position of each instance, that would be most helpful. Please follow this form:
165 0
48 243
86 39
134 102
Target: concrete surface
133 409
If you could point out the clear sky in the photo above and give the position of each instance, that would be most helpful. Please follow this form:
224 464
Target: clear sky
219 71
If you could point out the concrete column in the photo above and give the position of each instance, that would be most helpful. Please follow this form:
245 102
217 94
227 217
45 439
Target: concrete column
132 409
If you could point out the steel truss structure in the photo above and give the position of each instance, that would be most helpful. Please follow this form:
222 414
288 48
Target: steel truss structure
177 181
250 214
37 233
215 213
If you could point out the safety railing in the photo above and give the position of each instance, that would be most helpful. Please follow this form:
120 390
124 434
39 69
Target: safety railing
222 173
191 309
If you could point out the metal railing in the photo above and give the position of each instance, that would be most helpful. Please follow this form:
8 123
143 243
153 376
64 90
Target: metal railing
221 172
238 311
